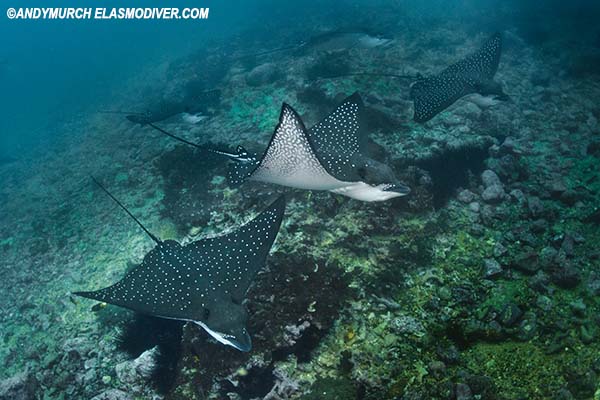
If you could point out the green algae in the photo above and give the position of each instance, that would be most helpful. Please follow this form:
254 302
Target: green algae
524 369
515 291
518 369
121 177
9 241
331 389
167 230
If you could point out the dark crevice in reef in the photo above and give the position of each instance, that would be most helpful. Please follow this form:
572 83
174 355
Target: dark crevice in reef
256 384
452 170
303 347
143 333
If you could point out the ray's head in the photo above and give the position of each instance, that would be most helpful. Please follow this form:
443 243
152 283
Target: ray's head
226 322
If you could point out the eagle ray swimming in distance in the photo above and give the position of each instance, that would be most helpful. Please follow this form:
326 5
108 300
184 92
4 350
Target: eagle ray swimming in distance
474 74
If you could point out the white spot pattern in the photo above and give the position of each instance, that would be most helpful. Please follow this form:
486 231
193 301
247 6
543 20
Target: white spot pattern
290 160
336 139
434 94
181 282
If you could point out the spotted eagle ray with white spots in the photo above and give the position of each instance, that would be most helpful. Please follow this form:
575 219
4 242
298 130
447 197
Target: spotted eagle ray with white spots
474 74
204 282
329 156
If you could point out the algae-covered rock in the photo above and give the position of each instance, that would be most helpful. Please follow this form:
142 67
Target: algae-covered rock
113 394
22 386
138 370
263 75
332 389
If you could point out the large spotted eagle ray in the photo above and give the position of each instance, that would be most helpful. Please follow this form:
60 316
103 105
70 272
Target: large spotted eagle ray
474 74
329 156
204 281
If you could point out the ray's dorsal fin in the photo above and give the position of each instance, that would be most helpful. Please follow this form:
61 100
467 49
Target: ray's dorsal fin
158 241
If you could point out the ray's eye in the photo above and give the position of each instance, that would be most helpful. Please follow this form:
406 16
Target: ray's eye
205 313
362 172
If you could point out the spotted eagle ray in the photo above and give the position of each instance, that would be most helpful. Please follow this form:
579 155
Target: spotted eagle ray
329 156
474 74
204 282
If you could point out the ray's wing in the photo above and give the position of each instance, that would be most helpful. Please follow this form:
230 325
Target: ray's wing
181 282
435 94
338 139
289 150
481 65
239 255
311 159
166 284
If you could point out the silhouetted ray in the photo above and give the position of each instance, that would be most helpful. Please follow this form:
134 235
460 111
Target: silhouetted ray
474 74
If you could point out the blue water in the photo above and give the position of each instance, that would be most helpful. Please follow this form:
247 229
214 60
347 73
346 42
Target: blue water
52 71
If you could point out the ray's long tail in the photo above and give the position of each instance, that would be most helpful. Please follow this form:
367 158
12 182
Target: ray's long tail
240 155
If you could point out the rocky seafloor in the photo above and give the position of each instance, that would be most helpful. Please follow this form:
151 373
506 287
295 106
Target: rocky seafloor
483 283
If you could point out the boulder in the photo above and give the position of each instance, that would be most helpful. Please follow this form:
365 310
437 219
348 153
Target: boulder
19 387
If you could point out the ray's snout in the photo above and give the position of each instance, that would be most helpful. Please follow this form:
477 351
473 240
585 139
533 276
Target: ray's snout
399 188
